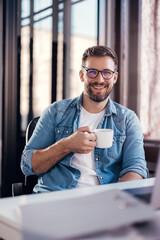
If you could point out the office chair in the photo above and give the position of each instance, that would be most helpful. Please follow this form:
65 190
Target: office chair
152 150
29 181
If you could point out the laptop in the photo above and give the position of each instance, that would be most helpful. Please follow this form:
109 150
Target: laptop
149 194
81 215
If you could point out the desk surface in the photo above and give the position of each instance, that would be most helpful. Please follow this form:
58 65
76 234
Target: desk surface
10 225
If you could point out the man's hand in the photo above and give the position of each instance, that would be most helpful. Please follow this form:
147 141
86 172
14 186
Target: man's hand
130 176
82 141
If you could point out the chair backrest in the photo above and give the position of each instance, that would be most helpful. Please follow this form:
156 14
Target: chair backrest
30 181
30 128
152 151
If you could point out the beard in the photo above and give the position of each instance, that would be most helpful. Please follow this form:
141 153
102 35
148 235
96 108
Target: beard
98 97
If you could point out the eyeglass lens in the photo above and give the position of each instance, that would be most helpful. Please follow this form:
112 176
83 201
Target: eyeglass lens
93 73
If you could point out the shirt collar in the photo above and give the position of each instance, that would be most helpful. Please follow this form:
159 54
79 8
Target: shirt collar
110 108
77 102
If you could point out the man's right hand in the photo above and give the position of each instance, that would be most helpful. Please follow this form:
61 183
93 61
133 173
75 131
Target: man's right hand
81 141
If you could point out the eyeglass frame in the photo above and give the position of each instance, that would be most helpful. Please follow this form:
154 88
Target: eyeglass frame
87 69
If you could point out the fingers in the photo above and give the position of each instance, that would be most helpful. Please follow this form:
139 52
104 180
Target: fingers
82 140
86 130
89 141
92 137
89 137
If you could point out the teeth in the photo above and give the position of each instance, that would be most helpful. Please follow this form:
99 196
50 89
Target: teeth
98 87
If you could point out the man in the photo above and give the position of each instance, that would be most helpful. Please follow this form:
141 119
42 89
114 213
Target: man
62 150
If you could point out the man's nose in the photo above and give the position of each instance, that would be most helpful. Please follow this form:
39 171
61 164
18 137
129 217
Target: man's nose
100 78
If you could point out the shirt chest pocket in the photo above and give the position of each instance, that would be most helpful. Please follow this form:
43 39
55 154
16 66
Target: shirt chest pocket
62 132
115 151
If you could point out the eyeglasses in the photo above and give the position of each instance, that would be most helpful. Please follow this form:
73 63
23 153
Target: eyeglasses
93 73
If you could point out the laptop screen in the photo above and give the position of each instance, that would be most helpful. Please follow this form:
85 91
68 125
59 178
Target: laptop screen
155 199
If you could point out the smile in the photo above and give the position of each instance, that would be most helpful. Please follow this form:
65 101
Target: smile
96 87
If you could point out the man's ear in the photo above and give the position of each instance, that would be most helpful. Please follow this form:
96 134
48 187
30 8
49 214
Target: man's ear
115 77
81 75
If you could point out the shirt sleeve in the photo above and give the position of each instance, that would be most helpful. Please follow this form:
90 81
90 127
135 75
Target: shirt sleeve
133 149
42 137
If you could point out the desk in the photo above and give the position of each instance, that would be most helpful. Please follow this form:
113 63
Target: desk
10 225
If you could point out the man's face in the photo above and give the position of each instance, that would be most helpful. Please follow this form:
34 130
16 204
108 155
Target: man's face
98 89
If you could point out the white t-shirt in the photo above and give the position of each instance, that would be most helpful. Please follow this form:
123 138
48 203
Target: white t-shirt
85 162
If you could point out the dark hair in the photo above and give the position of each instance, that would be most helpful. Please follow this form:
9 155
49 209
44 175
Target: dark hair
100 51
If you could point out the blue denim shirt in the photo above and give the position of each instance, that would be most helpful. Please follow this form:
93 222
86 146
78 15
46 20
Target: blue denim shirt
61 119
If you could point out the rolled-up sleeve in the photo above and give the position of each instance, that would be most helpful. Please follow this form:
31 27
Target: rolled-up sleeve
133 149
26 162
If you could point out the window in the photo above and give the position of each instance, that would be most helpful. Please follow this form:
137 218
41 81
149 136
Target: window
54 35
149 71
36 58
42 55
84 18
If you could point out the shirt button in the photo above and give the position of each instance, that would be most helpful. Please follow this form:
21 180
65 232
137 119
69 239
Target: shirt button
97 159
58 131
67 131
122 140
101 177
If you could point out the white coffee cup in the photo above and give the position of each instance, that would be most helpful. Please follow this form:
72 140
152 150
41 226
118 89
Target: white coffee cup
104 138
